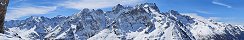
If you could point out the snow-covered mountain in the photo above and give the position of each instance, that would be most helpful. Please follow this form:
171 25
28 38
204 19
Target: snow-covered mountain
142 22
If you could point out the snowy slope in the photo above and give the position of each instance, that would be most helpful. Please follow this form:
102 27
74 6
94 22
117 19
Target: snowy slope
142 22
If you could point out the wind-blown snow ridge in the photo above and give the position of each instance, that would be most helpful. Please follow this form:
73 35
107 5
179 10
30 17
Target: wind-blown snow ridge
142 22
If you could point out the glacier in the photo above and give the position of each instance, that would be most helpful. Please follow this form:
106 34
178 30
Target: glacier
141 22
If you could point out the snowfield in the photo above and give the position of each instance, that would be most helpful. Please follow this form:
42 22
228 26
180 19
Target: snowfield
142 22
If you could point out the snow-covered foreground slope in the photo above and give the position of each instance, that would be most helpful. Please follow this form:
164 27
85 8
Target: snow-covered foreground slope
16 33
141 22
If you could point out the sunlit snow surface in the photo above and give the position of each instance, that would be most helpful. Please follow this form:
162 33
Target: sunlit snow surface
142 22
19 34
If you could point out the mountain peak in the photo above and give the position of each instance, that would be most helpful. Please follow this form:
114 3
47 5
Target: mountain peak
118 7
124 22
173 12
37 18
148 6
85 10
99 11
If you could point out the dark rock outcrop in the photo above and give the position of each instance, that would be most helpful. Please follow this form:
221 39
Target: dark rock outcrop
3 9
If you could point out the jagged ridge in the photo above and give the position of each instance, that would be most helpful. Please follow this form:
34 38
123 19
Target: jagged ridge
143 21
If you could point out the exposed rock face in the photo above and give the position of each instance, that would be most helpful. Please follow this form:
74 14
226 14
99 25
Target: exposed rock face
142 22
3 9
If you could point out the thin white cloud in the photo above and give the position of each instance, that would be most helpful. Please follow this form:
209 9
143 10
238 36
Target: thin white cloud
95 4
221 4
228 20
205 12
215 18
15 13
231 20
17 1
194 15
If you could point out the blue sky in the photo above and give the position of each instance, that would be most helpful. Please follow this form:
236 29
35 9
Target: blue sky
229 11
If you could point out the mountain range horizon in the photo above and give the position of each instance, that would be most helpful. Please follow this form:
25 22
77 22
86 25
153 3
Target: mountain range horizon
141 22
